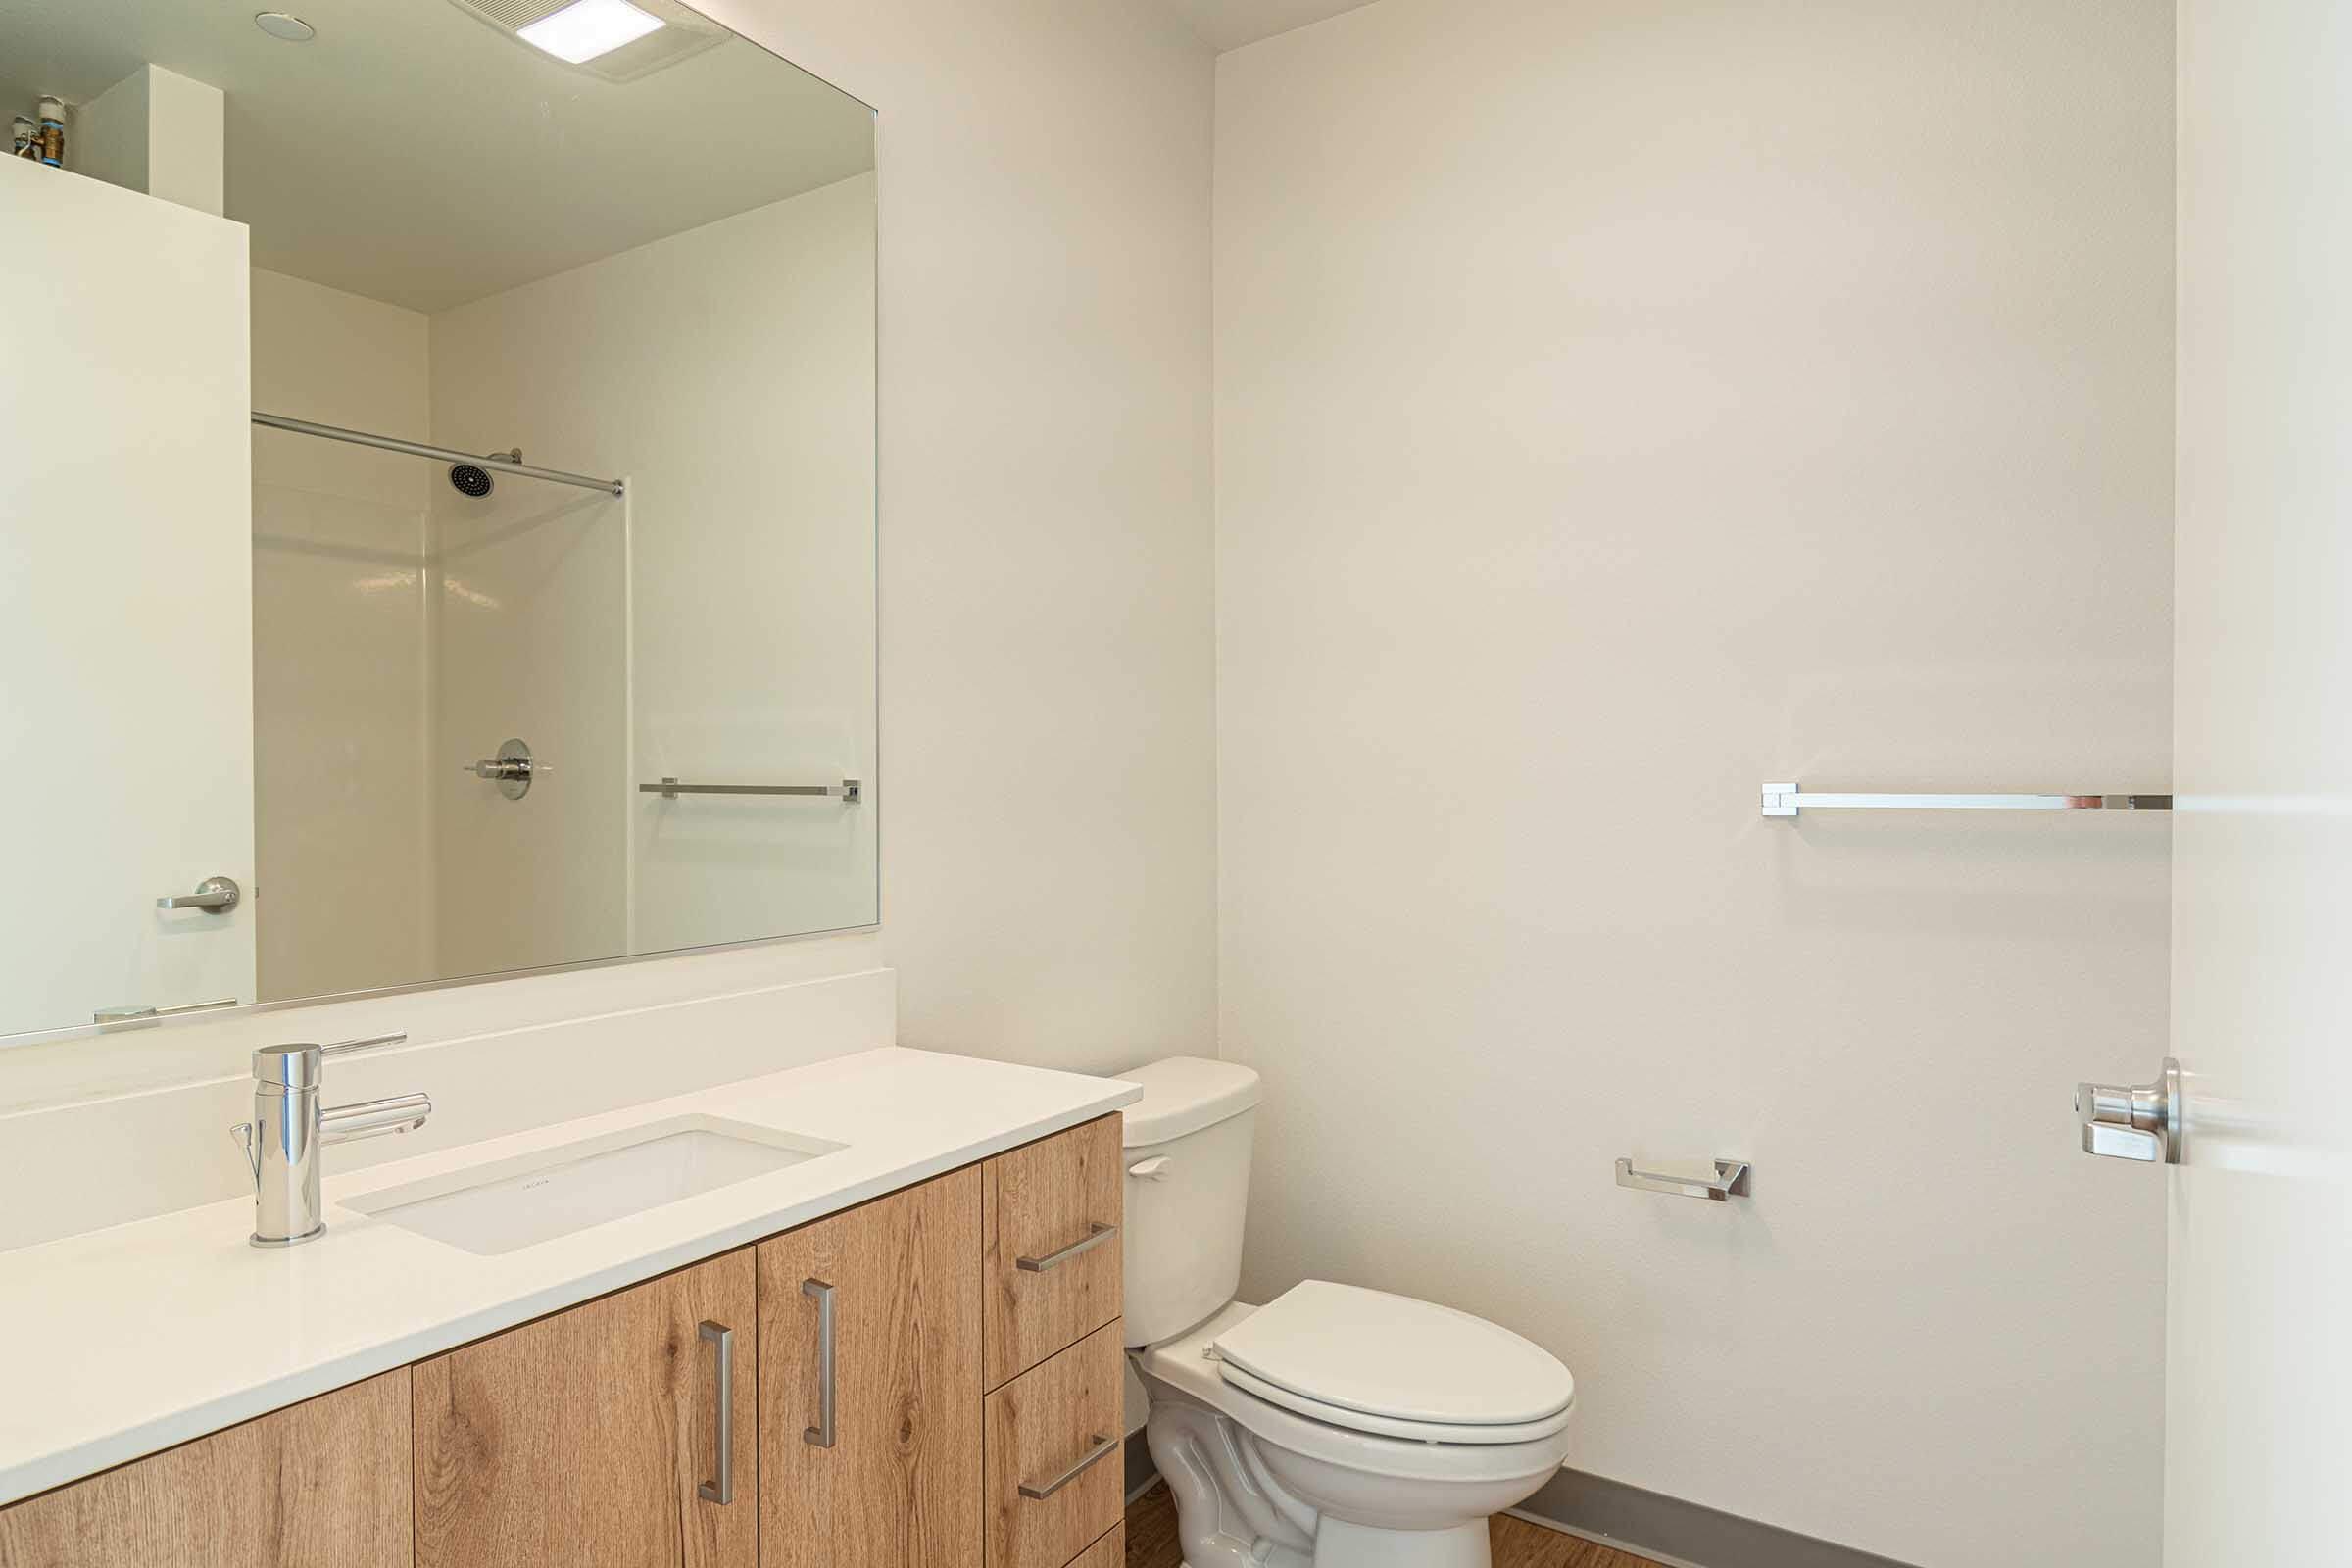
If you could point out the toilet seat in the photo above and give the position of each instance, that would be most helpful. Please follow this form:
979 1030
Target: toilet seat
1396 1367
1188 1366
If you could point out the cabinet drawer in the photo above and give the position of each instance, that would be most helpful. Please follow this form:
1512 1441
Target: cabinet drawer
1049 1213
1108 1552
1053 1439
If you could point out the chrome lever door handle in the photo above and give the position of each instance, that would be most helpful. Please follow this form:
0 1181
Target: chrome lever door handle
216 893
2134 1121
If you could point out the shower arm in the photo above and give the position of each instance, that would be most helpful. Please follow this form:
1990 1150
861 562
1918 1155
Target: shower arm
419 449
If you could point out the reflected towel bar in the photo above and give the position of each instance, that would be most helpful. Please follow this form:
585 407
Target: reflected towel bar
849 791
419 449
1783 800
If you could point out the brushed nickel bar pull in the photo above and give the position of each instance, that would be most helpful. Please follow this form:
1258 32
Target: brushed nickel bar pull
1731 1176
1093 1456
1786 800
723 1490
420 449
822 1435
1095 1237
850 791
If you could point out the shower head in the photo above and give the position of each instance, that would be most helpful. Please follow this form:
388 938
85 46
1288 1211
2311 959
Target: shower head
469 480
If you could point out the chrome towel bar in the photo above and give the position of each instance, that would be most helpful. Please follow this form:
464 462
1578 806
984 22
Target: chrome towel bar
850 791
1783 800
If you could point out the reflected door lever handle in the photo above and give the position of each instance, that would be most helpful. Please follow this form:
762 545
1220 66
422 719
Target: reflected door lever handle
216 894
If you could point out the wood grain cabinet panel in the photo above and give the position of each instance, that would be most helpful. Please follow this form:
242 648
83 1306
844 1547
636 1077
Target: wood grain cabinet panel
582 1441
899 1484
1039 1202
320 1485
1042 1426
1108 1552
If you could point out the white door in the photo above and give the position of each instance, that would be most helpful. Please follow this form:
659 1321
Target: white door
126 600
2259 1395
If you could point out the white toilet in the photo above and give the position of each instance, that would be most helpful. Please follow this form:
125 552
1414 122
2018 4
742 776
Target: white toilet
1334 1426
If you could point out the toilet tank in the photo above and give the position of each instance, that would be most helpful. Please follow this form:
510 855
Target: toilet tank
1190 1137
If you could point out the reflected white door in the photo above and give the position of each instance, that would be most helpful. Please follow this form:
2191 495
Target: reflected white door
125 599
2259 1394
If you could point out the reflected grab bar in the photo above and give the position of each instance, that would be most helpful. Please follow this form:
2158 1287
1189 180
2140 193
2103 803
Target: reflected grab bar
849 791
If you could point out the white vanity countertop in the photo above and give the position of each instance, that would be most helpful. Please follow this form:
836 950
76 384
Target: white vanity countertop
126 1340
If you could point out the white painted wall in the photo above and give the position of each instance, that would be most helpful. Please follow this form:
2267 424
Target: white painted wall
339 545
729 374
156 132
1620 404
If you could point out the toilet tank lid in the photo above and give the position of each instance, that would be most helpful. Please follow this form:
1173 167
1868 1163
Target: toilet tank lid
1185 1094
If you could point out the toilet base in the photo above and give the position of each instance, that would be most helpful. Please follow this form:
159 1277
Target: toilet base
1341 1544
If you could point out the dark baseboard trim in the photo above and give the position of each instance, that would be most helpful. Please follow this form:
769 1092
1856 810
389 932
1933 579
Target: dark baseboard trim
1651 1524
1647 1524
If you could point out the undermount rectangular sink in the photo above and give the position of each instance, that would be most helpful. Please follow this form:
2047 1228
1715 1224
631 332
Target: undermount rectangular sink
518 1203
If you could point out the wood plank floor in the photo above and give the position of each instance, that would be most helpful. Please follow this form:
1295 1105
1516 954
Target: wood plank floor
1151 1540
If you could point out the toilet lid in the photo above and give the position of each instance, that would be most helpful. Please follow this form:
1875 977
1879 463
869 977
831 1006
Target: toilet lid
1394 1357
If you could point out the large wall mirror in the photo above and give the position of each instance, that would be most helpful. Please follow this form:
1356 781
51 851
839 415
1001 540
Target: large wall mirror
436 496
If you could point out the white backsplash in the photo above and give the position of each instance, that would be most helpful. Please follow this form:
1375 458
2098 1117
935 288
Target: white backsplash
125 1126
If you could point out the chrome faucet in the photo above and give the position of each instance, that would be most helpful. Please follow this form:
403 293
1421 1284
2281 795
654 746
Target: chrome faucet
288 1129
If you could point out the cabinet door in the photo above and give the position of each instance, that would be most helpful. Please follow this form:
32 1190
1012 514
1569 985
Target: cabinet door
592 1439
894 1482
318 1485
1051 1216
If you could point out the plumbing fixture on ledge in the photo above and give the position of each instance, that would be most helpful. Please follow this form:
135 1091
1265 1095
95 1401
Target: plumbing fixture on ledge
288 1129
512 768
1730 1177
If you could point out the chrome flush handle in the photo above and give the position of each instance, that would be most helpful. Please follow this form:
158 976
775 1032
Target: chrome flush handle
2134 1121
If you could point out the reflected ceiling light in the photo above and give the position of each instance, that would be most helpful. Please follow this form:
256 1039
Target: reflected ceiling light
290 28
586 29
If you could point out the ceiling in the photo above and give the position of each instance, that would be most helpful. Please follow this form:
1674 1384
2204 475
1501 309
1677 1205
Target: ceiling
1230 23
415 154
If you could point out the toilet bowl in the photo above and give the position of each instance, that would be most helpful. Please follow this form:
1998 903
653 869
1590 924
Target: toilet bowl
1335 1426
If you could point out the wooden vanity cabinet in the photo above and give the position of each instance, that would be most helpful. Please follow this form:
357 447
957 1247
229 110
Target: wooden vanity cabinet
869 1384
592 1437
324 1484
929 1380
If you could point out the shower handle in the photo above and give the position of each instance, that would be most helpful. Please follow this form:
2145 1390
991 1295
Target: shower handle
513 769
